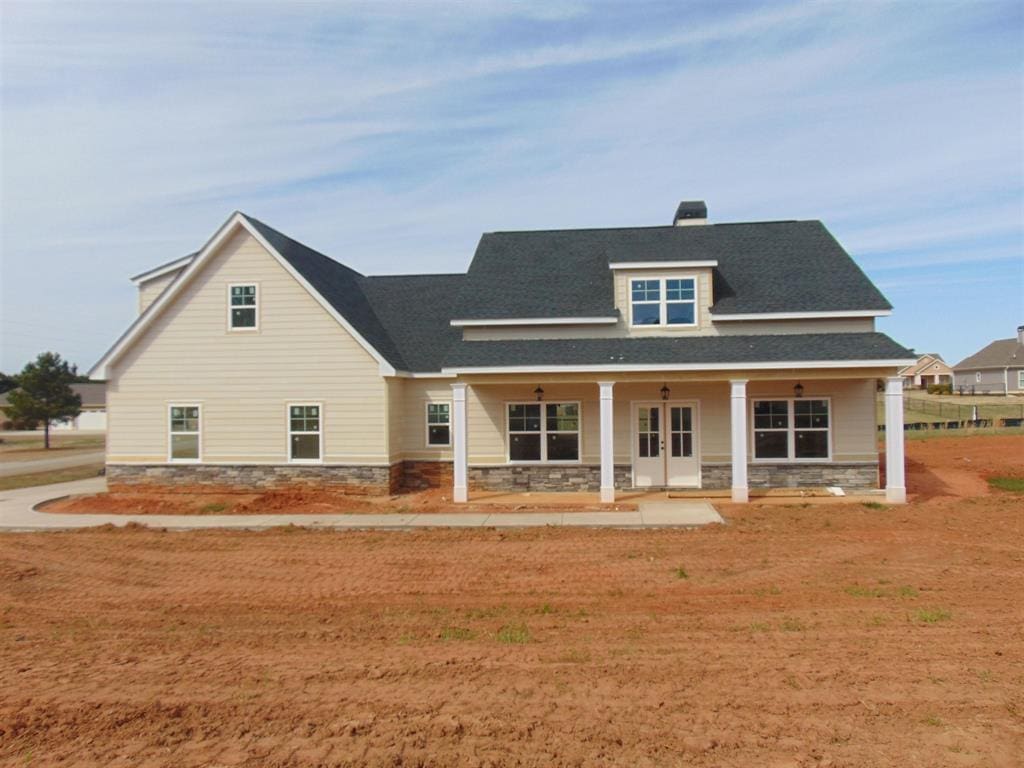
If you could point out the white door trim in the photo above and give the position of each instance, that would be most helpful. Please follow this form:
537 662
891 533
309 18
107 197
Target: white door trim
666 425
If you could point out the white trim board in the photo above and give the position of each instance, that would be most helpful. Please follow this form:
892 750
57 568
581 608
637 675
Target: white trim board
801 315
228 228
668 367
536 321
662 264
153 274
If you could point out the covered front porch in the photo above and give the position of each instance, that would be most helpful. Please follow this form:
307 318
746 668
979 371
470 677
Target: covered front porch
682 432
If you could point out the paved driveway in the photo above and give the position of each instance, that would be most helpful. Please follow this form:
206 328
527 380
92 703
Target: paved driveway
17 514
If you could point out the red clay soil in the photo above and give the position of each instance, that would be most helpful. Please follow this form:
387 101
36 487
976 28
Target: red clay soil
795 635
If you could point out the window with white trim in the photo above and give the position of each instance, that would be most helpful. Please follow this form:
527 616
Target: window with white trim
439 431
792 429
304 433
977 377
663 301
243 307
544 432
1020 379
184 433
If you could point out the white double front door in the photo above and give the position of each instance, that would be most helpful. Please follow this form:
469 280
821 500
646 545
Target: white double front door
665 445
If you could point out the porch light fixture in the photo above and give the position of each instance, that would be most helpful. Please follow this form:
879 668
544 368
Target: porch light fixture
798 390
665 391
539 392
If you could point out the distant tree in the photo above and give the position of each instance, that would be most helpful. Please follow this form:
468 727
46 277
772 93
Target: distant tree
44 393
7 383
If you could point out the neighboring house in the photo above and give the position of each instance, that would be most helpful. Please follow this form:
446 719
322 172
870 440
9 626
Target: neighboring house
94 408
929 369
997 368
692 355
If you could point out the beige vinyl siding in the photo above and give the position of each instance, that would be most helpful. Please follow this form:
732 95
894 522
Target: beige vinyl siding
705 299
150 289
245 380
853 414
412 432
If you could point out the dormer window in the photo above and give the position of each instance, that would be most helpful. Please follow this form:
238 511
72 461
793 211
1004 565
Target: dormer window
663 301
242 308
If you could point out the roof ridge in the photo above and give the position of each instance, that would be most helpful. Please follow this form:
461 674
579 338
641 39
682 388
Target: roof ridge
416 274
652 226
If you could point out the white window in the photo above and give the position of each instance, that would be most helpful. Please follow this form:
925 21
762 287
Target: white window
977 377
663 301
792 429
543 432
243 307
305 438
184 433
1020 379
439 430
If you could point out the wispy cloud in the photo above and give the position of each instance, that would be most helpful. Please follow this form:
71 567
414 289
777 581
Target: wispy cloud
390 135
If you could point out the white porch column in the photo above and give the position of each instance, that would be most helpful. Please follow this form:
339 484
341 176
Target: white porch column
460 471
895 482
738 422
607 443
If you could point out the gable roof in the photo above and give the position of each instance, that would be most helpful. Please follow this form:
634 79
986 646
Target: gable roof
762 267
928 360
1002 353
679 353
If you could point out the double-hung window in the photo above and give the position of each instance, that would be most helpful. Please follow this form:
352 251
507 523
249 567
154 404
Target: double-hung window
663 301
1020 379
242 312
792 429
185 433
544 432
439 431
304 432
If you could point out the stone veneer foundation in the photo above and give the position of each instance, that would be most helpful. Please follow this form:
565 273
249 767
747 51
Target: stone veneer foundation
540 477
246 478
844 475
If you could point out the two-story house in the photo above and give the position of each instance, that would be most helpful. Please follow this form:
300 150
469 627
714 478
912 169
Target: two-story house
691 355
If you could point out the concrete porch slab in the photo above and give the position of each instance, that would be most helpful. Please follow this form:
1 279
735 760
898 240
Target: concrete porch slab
679 513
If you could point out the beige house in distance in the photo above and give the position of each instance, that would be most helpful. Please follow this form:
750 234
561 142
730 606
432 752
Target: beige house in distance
929 369
690 355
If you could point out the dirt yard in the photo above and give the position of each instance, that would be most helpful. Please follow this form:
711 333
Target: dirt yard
799 635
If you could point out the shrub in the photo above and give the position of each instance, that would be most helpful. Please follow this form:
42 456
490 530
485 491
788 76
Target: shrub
940 389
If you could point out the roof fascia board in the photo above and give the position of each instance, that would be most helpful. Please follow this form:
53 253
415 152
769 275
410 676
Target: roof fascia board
536 321
236 219
643 367
662 264
174 266
801 315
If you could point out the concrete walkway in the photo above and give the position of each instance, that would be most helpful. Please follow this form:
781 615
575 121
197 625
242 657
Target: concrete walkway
31 466
17 513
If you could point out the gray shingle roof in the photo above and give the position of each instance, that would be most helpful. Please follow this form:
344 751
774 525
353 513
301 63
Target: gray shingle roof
708 350
1001 353
93 394
781 266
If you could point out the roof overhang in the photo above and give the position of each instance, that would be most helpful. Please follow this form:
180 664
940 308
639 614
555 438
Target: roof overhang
680 367
801 315
662 264
236 221
536 321
163 269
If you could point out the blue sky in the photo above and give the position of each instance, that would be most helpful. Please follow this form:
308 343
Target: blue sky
390 136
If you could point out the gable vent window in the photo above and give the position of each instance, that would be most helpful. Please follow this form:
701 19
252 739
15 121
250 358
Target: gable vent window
243 307
663 301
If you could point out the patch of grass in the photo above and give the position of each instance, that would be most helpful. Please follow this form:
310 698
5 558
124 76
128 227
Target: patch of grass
545 609
878 621
213 508
47 478
858 591
681 573
486 613
789 624
1009 484
759 626
876 505
514 634
933 615
457 633
906 591
933 721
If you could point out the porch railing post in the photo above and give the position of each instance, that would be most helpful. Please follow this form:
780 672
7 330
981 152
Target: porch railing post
607 442
460 492
738 422
895 482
